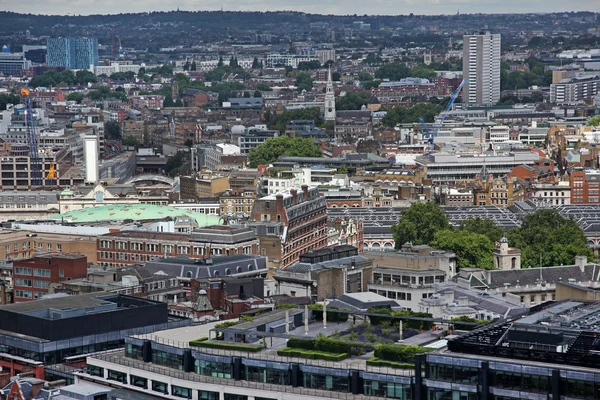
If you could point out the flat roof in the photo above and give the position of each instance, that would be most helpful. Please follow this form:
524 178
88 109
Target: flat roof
62 303
184 334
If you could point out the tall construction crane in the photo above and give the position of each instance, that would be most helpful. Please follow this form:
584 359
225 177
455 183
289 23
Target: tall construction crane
32 140
431 134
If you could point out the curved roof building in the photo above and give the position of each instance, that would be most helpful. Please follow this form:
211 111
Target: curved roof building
134 212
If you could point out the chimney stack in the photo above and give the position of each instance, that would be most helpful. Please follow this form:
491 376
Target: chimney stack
305 190
279 203
581 262
294 194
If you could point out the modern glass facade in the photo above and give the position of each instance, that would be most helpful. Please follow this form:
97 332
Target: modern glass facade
443 376
73 53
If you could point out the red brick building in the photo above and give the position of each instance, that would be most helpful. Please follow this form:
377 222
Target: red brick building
33 276
194 98
541 171
290 224
118 249
585 186
234 296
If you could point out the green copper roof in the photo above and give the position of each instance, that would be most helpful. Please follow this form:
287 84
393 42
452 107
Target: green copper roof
136 212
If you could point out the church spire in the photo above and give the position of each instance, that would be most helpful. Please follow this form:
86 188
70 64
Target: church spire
329 99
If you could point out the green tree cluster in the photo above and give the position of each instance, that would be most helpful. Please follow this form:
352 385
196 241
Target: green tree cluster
163 70
546 239
104 92
426 223
536 76
66 77
304 82
279 121
8 98
112 130
419 223
353 101
594 121
404 115
122 76
75 96
308 65
473 250
263 87
399 70
269 151
174 163
483 226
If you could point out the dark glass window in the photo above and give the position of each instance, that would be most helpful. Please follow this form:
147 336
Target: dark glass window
167 359
449 394
139 381
579 389
268 375
179 391
387 389
213 368
453 373
229 396
160 387
95 371
133 351
206 395
117 376
326 382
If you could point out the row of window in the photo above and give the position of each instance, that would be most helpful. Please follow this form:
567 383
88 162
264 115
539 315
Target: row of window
27 294
263 375
29 282
27 246
166 249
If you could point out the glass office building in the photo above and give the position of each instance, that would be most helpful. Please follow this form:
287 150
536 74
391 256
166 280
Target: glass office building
73 53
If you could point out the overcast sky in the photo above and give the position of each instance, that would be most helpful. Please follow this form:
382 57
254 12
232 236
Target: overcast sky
389 7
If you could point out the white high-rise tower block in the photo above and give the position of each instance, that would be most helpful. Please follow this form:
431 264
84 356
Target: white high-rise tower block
91 158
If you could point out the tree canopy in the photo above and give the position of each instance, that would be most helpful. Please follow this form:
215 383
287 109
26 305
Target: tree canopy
279 121
75 96
393 71
353 101
594 121
112 130
483 226
419 223
473 250
8 98
304 82
308 65
404 115
269 151
546 238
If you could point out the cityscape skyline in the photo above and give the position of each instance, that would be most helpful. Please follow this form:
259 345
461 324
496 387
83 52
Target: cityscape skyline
383 7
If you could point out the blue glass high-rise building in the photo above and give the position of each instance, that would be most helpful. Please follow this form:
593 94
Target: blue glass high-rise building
73 53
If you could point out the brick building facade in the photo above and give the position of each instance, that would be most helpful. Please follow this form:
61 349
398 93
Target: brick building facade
33 276
133 247
290 224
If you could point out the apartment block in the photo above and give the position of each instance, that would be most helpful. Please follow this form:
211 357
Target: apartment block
119 249
585 186
33 276
481 68
290 224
